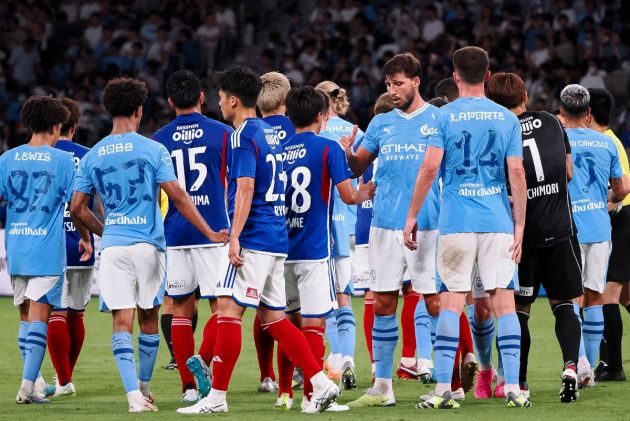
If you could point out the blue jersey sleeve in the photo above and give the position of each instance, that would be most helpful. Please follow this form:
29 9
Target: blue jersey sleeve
337 164
369 141
83 182
615 165
436 139
244 158
515 145
164 171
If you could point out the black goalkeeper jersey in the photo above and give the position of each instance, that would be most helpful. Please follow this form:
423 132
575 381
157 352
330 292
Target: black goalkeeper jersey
549 219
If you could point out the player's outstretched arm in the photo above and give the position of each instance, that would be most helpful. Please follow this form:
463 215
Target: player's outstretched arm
618 191
185 206
360 160
350 196
518 187
424 181
242 206
82 216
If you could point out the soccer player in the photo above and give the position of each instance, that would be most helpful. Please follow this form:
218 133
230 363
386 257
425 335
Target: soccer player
341 325
550 245
36 180
258 246
127 170
477 144
65 326
448 89
271 104
610 366
399 139
315 166
596 163
197 146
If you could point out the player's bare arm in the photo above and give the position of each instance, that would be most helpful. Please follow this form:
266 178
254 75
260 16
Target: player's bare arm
242 205
85 245
360 160
182 201
83 216
424 181
569 167
516 174
350 196
618 190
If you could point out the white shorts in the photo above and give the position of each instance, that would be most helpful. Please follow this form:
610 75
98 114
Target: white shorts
259 281
459 254
343 275
595 258
315 282
132 276
391 260
76 289
361 268
43 289
189 268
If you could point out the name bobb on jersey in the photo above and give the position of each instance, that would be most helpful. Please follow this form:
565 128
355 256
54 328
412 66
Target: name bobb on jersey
126 170
36 182
282 125
198 147
545 146
400 141
476 135
595 161
255 152
314 165
72 235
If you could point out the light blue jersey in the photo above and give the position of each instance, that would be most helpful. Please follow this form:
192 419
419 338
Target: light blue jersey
400 141
36 182
344 216
126 171
477 135
595 161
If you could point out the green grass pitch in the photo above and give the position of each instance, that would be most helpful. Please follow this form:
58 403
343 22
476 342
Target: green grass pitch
100 395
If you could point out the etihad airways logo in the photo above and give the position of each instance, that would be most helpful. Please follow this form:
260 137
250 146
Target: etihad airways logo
119 219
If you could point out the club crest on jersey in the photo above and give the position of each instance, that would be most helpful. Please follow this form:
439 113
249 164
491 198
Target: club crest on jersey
252 293
426 130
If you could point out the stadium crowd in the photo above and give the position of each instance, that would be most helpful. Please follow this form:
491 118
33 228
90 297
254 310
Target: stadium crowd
71 48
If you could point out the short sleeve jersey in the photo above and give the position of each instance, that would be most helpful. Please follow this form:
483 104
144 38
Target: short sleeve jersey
198 148
400 141
314 166
126 171
477 135
255 152
623 159
282 125
36 182
595 161
344 216
72 235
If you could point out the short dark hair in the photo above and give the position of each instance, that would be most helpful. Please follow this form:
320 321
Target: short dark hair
73 118
506 89
602 103
471 64
184 89
575 100
447 88
405 63
40 114
123 96
241 82
303 104
439 101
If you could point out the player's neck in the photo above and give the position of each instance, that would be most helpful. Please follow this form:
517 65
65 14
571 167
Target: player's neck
124 125
242 114
598 127
313 128
43 139
186 111
278 111
519 110
415 105
575 123
469 91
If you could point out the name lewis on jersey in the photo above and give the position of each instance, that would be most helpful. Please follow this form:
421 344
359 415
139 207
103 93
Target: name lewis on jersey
529 123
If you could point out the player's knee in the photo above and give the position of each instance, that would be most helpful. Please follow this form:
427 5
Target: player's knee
385 304
433 304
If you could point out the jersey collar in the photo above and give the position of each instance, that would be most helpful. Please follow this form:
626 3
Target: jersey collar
413 114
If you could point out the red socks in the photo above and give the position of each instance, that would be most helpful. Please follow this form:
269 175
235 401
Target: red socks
264 350
368 324
206 350
183 348
285 373
465 336
315 337
410 301
456 380
76 330
293 342
226 350
59 347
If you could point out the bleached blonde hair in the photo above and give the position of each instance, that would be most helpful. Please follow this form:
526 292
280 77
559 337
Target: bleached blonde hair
338 96
275 87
